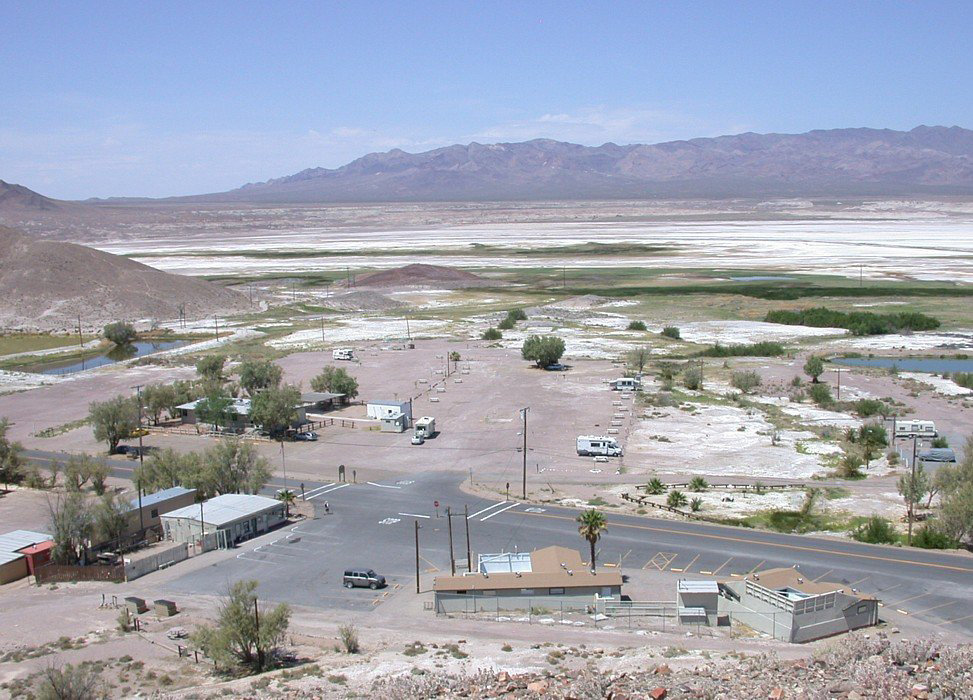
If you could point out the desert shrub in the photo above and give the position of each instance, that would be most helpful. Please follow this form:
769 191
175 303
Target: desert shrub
745 381
940 442
876 530
821 395
762 349
866 408
543 350
858 322
636 326
506 324
517 315
931 537
964 379
696 504
671 332
491 334
692 378
348 634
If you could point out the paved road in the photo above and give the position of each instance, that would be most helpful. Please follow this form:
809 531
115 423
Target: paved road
372 525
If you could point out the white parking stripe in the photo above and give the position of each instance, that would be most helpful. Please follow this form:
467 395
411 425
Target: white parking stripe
328 491
382 486
498 512
319 488
473 515
413 515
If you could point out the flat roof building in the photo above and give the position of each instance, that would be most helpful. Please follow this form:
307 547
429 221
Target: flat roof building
518 581
154 504
232 518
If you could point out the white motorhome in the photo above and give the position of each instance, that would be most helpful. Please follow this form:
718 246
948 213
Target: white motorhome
425 426
915 428
595 445
342 354
626 384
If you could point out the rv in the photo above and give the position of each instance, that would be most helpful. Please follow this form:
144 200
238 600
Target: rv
342 354
626 384
915 428
426 426
595 445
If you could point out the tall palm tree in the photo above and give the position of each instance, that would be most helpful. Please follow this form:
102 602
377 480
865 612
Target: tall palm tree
591 525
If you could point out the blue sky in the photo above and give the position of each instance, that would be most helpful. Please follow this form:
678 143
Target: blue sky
103 98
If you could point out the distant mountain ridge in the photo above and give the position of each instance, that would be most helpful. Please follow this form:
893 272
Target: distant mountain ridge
924 160
17 197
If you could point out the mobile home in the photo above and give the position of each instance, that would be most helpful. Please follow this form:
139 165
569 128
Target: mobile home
595 445
915 428
626 384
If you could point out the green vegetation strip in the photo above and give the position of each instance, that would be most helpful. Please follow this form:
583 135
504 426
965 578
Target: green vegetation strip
774 292
858 322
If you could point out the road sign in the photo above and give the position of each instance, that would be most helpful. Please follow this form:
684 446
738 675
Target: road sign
435 504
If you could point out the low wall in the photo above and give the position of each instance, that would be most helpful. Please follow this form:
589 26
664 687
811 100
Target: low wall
58 573
458 603
167 556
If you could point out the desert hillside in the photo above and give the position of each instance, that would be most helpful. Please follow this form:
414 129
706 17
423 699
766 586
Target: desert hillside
45 285
420 275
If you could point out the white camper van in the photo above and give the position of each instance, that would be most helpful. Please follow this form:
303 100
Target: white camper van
626 384
342 354
915 428
595 445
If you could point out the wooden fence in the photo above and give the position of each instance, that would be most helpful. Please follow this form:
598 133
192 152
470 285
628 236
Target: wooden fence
59 573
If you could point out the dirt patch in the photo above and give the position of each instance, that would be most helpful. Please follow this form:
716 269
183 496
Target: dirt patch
420 275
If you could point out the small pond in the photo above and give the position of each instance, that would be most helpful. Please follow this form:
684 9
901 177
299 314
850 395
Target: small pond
118 353
933 365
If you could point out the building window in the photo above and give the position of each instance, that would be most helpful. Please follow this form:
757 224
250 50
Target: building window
460 592
489 592
155 513
555 591
526 591
863 608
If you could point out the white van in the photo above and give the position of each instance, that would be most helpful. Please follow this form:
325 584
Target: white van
595 445
626 384
342 354
915 428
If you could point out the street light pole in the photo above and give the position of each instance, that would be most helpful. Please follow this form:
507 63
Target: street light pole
469 555
417 556
449 526
523 414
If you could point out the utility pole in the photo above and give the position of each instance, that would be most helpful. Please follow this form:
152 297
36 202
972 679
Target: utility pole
839 384
469 555
256 622
417 556
452 559
283 464
138 481
322 329
250 287
861 275
216 326
408 331
523 414
911 491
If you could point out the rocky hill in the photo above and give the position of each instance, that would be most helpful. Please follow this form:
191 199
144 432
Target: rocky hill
420 275
17 198
45 285
925 160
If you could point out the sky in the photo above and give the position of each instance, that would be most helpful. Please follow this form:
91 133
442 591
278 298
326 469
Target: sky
107 98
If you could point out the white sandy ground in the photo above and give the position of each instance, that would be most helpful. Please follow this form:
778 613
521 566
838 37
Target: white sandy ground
362 329
924 340
809 413
21 381
744 332
923 245
721 441
236 335
940 385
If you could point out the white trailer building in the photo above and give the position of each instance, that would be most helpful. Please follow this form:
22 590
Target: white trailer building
232 518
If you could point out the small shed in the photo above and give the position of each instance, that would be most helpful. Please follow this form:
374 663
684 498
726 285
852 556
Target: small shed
394 423
321 401
14 563
698 601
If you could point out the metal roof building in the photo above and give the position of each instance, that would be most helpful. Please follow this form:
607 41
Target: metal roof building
13 562
154 499
235 516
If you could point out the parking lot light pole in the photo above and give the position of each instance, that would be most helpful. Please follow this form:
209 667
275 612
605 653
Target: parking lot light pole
417 556
449 526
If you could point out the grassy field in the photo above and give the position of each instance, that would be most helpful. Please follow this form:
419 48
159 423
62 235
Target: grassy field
33 342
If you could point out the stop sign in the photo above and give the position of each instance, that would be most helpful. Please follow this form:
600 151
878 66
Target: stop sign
435 504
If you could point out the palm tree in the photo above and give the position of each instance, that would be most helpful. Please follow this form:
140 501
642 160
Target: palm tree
591 525
698 483
655 487
287 497
676 499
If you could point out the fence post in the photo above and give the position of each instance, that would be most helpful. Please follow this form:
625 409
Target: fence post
498 608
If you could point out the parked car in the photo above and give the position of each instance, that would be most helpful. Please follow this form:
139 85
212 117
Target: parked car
418 438
309 436
556 367
363 578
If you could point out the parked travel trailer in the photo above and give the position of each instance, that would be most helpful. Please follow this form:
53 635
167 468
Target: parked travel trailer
626 384
915 428
342 354
594 445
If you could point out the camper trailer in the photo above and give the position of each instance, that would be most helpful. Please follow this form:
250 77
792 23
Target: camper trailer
342 354
626 384
598 445
915 428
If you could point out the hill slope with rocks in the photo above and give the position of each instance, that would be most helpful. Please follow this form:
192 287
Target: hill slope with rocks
925 160
45 285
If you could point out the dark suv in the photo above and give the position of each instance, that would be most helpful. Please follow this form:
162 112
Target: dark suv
363 578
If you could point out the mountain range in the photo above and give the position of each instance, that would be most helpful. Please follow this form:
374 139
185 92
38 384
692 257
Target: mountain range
927 160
